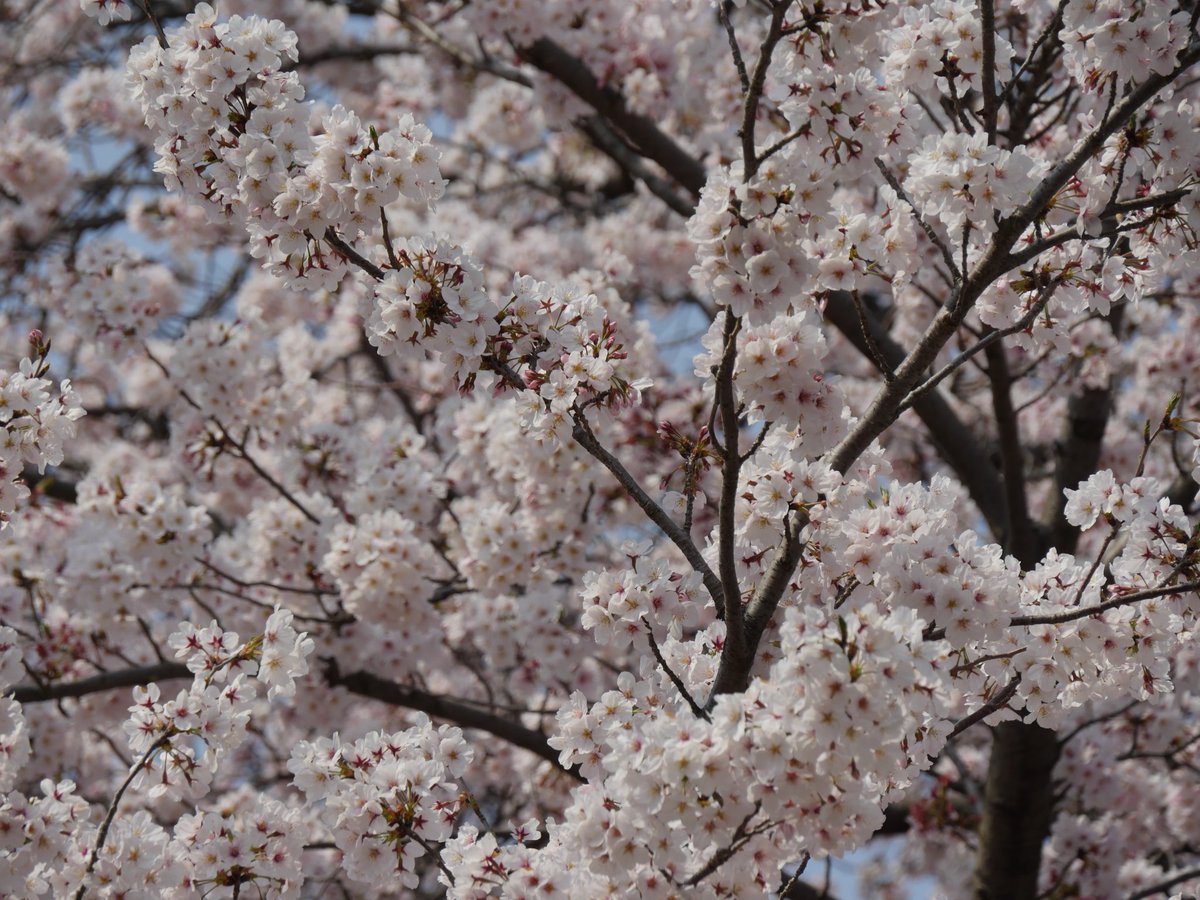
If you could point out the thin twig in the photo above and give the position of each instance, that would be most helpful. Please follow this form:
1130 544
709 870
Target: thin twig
1052 28
1120 600
934 237
158 29
697 710
754 91
102 835
723 9
987 709
584 436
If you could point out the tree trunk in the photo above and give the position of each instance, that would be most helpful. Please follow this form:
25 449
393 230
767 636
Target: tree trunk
1018 805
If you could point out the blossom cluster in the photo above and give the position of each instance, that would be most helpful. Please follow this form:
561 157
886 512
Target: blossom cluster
781 376
231 128
962 181
45 841
135 535
436 300
841 699
215 708
940 42
14 733
648 596
387 797
422 457
113 294
256 845
386 572
1113 38
35 420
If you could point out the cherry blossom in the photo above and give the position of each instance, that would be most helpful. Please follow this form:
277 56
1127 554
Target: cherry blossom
599 449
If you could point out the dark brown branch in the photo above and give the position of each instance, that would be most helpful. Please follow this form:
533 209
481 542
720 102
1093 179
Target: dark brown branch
366 684
1087 418
48 484
992 264
731 465
641 131
992 337
957 444
987 21
1116 602
697 710
733 675
1018 535
1164 886
1094 140
933 237
428 33
334 240
1017 810
1051 30
723 10
630 161
105 681
349 53
994 705
1111 229
583 435
754 92
102 834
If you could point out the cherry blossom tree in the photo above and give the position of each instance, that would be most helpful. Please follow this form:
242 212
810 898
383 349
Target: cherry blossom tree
364 536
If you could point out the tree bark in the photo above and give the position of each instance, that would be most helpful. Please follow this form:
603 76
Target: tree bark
1018 808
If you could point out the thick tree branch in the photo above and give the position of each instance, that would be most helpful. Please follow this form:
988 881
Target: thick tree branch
105 681
1017 809
731 466
1126 599
363 684
1018 814
641 131
366 684
958 444
733 674
1018 536
615 149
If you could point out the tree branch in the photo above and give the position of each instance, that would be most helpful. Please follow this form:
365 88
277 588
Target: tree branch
995 704
615 149
584 436
1164 886
366 684
105 681
958 445
1018 535
1120 600
641 131
731 465
754 91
